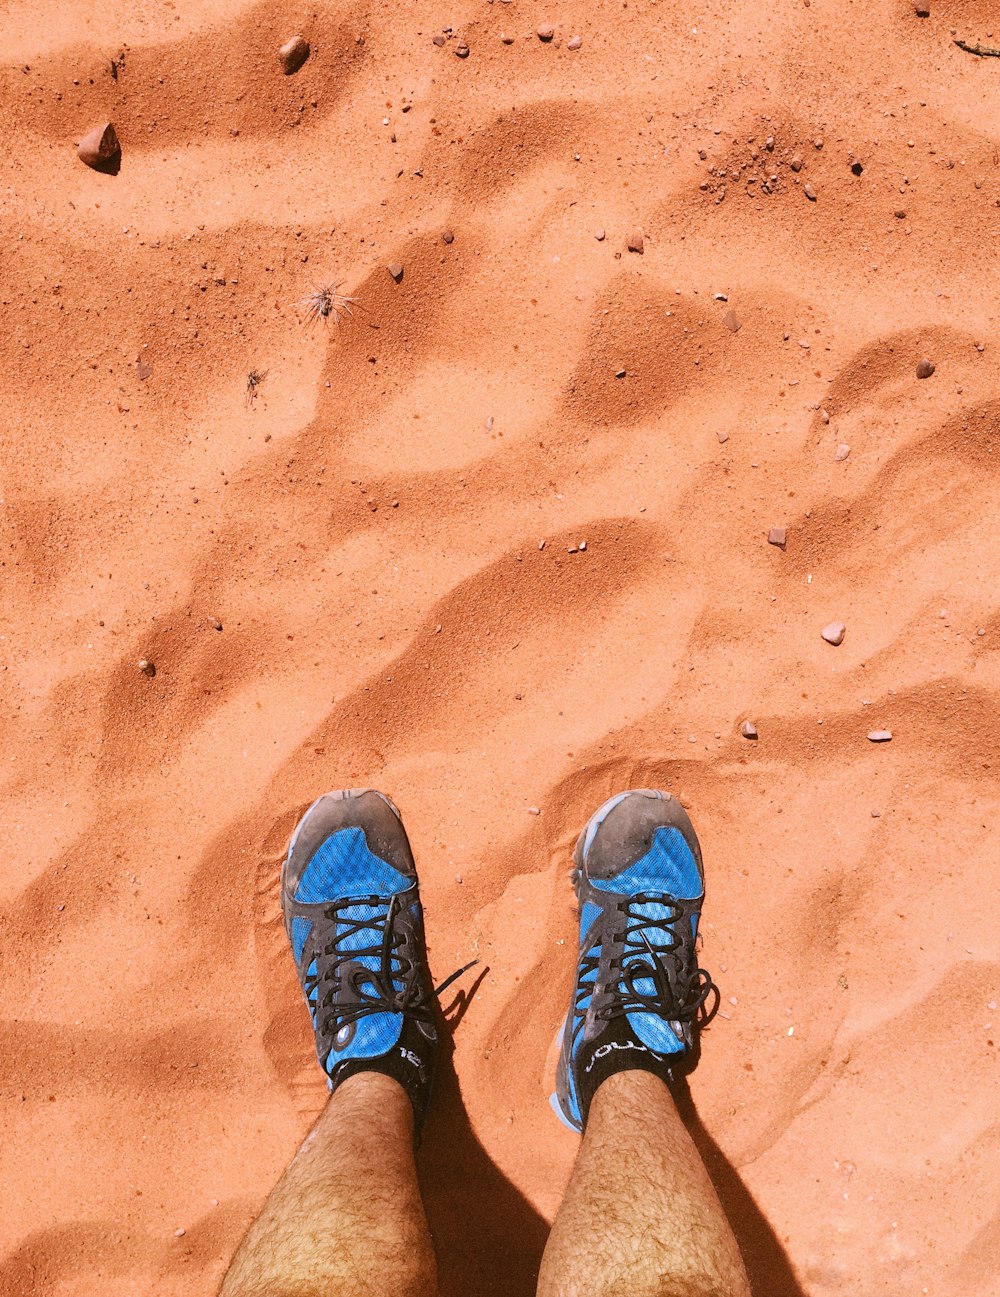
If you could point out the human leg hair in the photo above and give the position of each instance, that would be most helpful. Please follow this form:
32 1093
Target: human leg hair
640 1217
346 1218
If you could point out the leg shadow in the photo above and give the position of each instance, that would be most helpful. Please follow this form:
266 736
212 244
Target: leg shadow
770 1271
488 1237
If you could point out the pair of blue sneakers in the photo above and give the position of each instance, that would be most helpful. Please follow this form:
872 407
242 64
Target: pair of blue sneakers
352 912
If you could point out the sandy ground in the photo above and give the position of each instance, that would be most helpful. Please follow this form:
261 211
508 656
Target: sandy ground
366 528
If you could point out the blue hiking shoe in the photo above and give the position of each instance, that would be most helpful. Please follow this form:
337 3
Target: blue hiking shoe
639 991
352 913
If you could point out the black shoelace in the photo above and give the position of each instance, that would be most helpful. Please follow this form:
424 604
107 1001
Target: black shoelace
376 988
680 987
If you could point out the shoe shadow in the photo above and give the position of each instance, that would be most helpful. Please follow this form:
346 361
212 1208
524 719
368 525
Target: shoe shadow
487 1236
767 1264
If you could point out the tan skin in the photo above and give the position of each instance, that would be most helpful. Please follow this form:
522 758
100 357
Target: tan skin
640 1217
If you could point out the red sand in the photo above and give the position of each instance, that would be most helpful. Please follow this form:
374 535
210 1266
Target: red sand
157 1059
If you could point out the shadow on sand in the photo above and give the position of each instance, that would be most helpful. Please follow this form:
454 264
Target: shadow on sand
488 1237
767 1264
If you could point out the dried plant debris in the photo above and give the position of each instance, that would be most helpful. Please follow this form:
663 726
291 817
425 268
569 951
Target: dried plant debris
326 302
254 380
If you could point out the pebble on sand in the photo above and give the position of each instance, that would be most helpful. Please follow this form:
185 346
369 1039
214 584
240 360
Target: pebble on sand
809 192
899 214
796 163
179 1233
599 235
293 54
146 667
396 270
99 146
834 633
749 730
921 9
534 810
574 43
723 437
462 50
447 236
546 32
777 536
925 368
879 736
842 452
635 241
438 41
215 623
731 321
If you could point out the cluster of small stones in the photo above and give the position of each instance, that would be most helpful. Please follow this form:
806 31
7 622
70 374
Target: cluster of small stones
763 171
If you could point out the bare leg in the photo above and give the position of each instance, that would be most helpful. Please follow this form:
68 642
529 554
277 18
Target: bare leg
640 1217
346 1219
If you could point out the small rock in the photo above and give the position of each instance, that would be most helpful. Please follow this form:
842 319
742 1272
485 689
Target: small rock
749 730
731 322
507 40
534 810
215 623
834 633
720 297
635 241
809 192
179 1233
599 235
146 667
796 163
879 736
817 143
99 147
925 368
583 546
723 437
462 50
804 343
619 373
777 536
395 270
921 9
876 815
545 32
899 214
574 43
489 423
437 40
293 54
825 416
842 452
447 237
769 144
144 369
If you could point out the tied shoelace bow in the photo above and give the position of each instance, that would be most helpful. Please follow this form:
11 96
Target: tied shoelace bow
680 987
410 999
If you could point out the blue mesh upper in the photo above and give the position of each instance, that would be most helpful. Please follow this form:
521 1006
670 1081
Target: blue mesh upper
300 930
344 865
668 866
